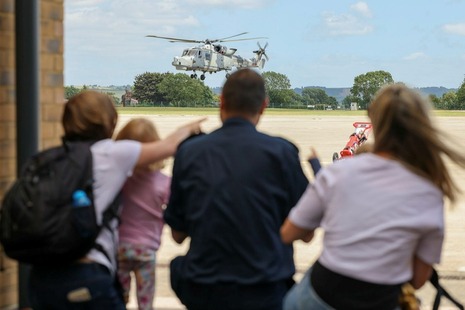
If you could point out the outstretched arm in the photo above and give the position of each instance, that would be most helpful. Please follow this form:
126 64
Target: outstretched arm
314 161
290 232
161 149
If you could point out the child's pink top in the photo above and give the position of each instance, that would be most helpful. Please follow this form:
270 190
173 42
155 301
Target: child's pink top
144 195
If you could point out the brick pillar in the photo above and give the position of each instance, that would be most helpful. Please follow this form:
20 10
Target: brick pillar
8 270
51 75
51 105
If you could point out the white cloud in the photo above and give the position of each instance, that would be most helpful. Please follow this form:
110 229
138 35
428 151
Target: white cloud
345 24
362 8
231 4
119 22
458 28
349 24
416 55
83 3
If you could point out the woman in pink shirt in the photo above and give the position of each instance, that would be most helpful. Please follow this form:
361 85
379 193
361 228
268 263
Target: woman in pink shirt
144 195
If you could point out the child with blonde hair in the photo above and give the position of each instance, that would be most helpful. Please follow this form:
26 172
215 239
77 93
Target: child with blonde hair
143 197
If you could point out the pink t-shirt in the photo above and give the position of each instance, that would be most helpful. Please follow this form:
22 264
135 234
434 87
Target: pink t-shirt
144 195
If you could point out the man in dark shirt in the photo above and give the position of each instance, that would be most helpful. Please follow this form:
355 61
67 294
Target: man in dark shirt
231 191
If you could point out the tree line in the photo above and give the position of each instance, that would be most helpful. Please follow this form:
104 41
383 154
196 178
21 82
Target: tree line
180 90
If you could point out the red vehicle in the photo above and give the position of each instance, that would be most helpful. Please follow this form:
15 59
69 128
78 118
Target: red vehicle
358 137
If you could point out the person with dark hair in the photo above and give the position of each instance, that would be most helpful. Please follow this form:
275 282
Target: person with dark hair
390 230
89 282
231 191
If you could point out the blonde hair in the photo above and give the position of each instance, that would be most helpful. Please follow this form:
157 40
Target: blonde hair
142 130
89 115
403 129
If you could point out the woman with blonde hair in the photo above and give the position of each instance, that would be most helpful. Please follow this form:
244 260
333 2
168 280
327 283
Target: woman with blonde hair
89 283
390 229
143 197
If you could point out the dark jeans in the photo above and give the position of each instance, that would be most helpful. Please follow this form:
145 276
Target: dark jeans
227 296
77 286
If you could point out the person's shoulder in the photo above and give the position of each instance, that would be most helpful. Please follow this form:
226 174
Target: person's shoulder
108 144
124 152
192 140
276 141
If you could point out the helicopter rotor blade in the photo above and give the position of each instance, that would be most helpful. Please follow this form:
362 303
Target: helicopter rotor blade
261 52
236 35
173 40
207 41
247 39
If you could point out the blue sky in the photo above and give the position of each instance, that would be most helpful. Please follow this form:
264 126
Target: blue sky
314 43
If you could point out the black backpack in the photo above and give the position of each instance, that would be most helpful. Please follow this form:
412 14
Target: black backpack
38 223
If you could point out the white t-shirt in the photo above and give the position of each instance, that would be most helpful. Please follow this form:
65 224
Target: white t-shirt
376 214
113 162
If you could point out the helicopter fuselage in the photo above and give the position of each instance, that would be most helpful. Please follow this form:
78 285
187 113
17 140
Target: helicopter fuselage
212 58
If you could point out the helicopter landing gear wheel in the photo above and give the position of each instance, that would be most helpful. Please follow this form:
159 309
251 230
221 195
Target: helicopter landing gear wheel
228 75
202 77
192 76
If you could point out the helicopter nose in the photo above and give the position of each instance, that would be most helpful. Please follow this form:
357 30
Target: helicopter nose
177 61
182 63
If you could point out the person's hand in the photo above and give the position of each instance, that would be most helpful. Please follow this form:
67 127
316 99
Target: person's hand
313 153
158 150
192 128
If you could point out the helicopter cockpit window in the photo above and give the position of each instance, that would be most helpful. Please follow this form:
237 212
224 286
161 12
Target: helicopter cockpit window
191 53
185 52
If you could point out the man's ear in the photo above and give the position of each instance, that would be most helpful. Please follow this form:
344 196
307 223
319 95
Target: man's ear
264 105
221 102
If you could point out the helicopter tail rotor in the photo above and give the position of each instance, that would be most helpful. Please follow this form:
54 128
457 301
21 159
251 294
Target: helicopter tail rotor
261 52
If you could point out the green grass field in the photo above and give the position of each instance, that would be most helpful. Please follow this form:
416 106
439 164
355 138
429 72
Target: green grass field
269 111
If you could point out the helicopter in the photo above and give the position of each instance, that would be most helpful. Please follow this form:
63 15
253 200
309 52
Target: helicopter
212 57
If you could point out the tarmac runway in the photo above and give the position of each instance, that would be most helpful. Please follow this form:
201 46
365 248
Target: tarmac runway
328 134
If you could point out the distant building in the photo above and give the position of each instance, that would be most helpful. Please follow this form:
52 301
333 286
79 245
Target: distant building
127 99
353 106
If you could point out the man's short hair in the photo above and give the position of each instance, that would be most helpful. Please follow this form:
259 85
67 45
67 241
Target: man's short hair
244 92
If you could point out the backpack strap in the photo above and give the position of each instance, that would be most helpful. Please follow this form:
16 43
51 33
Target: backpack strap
112 212
441 292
